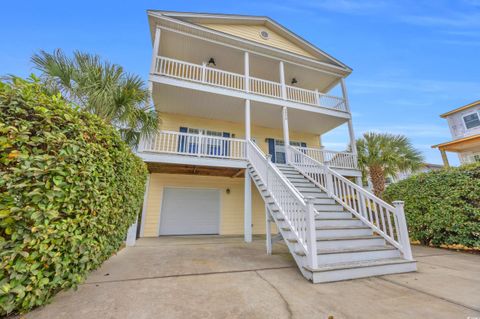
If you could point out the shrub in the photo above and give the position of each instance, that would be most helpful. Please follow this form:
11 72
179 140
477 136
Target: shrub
442 207
69 189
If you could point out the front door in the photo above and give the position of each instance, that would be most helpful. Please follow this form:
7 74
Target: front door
276 148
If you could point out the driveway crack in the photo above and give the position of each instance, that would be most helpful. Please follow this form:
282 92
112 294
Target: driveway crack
287 305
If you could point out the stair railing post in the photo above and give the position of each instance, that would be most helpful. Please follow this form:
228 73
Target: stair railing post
311 233
268 159
402 229
329 181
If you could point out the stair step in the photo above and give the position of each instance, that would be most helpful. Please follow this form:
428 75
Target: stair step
344 242
349 250
320 207
341 232
361 269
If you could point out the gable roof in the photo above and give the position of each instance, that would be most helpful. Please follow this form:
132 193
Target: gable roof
203 20
461 108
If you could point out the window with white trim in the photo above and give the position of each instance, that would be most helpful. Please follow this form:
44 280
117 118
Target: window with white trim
471 120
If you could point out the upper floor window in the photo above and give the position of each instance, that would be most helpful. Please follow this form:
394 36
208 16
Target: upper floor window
471 120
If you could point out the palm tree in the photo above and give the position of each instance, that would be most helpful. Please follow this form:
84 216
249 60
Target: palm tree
101 88
381 155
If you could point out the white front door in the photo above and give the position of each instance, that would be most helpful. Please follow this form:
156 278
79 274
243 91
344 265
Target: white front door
190 211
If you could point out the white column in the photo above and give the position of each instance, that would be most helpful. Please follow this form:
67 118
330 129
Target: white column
248 208
247 120
155 50
353 144
286 136
268 231
247 71
144 208
282 80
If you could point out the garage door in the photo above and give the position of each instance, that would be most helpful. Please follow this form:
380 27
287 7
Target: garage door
190 211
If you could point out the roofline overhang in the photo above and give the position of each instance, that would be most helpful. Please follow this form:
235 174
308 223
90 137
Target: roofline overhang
461 108
172 16
446 145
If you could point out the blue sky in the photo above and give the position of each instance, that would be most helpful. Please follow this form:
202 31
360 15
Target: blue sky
411 60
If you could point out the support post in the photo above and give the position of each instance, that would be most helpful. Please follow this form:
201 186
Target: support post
286 136
155 51
268 231
358 181
282 80
402 229
445 158
248 208
144 207
311 233
247 120
247 71
353 145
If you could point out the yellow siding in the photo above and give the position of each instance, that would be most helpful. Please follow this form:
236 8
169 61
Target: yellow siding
232 207
172 122
252 32
231 204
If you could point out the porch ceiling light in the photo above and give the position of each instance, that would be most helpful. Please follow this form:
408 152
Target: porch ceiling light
211 62
294 81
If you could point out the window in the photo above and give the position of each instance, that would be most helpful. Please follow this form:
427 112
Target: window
471 120
476 158
264 34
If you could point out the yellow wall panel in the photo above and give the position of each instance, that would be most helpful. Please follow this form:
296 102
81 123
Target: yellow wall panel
252 33
232 204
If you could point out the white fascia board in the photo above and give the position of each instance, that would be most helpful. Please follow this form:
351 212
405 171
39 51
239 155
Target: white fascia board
152 157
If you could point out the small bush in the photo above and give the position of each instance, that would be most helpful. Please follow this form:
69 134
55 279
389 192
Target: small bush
69 189
442 207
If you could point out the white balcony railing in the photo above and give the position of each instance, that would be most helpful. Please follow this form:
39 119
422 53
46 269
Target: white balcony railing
195 144
207 75
330 158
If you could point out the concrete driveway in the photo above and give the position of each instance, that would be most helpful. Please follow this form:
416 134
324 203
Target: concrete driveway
222 277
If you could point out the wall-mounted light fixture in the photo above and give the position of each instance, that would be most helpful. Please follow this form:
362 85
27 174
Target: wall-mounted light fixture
294 81
211 62
228 191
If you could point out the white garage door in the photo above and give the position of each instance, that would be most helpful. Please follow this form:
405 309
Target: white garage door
190 211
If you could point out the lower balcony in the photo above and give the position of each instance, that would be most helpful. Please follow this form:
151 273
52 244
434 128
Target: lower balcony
206 150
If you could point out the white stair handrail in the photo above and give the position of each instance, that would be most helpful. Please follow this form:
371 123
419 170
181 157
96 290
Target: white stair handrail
386 220
298 213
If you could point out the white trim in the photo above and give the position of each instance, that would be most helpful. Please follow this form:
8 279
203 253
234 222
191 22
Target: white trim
250 96
247 208
155 49
248 132
145 206
190 160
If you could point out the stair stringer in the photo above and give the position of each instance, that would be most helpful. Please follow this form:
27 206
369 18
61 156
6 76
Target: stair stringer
269 201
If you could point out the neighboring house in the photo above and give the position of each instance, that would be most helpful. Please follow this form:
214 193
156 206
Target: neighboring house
425 168
242 102
464 123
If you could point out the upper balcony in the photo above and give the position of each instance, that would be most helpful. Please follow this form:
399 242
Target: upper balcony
188 61
248 84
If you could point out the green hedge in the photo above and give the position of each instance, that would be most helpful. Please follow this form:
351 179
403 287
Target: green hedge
69 189
442 207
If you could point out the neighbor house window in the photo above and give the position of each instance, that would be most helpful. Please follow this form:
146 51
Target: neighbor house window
471 120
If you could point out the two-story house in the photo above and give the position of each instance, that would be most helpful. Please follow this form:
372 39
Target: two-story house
243 104
464 123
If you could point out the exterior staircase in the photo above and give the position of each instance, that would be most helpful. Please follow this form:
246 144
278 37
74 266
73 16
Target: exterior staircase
343 244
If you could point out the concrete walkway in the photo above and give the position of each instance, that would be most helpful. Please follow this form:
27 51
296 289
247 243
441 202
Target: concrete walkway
222 277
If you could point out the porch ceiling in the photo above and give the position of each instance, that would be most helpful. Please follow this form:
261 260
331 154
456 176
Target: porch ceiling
172 99
195 170
193 50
